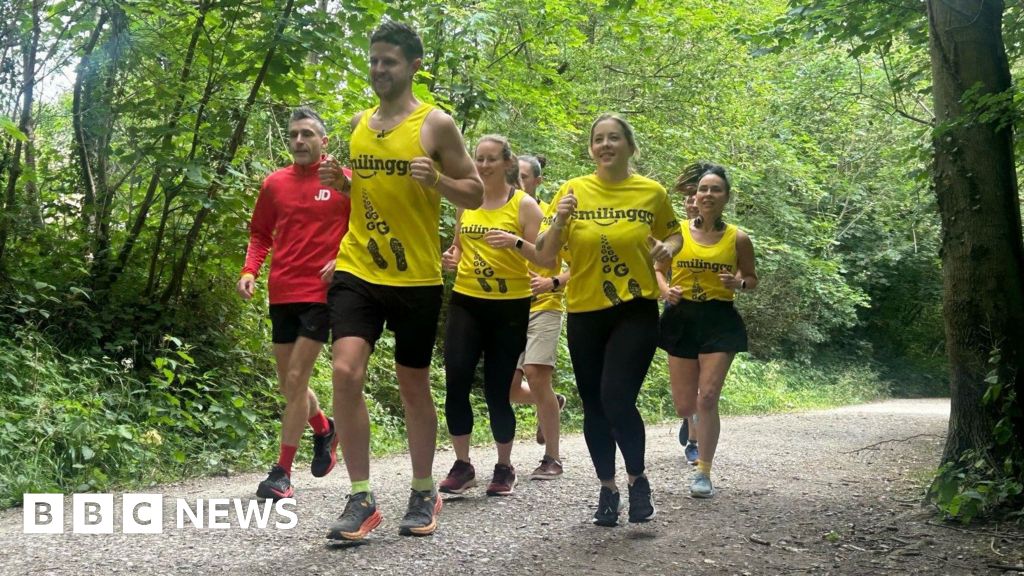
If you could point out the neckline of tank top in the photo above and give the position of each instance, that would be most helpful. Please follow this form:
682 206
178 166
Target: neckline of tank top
701 244
511 194
385 132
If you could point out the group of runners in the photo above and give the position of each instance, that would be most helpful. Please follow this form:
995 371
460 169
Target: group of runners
357 249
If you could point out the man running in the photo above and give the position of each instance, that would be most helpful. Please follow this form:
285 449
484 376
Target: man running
405 155
539 358
302 221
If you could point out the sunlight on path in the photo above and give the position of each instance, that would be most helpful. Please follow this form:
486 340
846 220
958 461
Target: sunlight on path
916 407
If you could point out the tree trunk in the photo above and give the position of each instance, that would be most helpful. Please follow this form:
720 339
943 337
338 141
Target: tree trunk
29 47
178 274
81 141
975 182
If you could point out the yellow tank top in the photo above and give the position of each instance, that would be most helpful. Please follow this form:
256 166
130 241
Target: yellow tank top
549 300
696 268
607 239
393 231
486 272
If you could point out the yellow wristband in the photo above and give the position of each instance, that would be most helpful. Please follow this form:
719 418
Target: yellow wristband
250 275
436 180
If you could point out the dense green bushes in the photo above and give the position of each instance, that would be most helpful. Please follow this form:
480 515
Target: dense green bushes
90 424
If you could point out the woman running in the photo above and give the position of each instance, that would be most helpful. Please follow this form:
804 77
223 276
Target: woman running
702 331
615 224
489 311
686 185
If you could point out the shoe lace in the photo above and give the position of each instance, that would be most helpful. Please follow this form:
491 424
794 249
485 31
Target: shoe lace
352 506
419 503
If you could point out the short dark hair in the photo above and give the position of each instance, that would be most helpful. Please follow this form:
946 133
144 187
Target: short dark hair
402 35
716 170
307 113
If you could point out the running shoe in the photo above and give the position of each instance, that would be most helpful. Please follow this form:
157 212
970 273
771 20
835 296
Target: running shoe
325 451
691 453
503 483
421 515
561 405
359 518
701 486
549 469
641 507
684 432
609 506
277 485
462 477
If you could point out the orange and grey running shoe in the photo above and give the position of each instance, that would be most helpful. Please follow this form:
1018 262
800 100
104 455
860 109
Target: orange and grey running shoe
359 518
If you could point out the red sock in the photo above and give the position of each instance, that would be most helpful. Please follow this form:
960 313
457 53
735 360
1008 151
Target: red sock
320 424
284 460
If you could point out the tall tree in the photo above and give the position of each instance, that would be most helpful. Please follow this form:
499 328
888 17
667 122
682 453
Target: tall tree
30 45
976 185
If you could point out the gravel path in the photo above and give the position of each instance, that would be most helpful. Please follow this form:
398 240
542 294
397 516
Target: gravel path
827 492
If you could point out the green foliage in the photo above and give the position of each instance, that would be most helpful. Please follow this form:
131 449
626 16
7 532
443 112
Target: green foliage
828 178
84 424
990 480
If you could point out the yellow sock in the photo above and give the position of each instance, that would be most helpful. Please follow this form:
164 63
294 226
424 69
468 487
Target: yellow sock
360 486
704 467
423 484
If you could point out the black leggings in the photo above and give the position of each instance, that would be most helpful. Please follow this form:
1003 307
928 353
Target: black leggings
497 330
611 350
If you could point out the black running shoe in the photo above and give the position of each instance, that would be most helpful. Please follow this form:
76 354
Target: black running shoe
325 452
608 508
421 515
641 507
277 485
359 518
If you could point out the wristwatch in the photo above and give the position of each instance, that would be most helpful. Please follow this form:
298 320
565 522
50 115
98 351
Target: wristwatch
555 284
519 243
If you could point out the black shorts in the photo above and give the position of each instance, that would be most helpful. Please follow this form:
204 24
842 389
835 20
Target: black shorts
692 328
359 308
307 319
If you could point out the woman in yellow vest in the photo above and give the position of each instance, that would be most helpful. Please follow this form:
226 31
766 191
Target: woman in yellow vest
702 331
686 185
489 311
614 224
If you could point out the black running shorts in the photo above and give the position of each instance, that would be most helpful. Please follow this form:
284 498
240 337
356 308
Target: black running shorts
359 308
307 319
690 328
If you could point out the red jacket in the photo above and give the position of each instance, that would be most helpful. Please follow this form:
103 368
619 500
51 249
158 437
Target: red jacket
303 223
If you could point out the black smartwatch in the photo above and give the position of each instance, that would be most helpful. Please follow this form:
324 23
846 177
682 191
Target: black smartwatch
555 284
519 243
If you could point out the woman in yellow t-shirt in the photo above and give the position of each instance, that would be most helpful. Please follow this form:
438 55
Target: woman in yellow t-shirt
614 224
489 311
701 330
686 185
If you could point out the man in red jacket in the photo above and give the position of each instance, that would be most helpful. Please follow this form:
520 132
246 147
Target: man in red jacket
303 222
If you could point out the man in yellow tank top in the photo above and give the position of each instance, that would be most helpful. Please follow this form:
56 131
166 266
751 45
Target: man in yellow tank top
405 155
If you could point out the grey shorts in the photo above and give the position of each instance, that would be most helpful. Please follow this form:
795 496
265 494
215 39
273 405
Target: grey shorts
542 339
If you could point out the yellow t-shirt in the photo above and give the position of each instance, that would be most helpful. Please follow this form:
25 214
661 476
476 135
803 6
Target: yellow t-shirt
696 268
393 232
486 272
607 239
549 300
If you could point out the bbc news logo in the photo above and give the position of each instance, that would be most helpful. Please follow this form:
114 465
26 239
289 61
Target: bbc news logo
144 513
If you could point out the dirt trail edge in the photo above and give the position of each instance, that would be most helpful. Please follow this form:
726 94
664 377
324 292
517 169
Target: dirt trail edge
829 492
